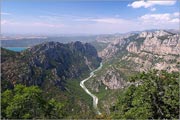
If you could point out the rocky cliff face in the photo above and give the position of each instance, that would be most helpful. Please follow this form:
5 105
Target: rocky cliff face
132 47
49 63
109 77
155 49
159 50
117 44
113 79
159 42
140 52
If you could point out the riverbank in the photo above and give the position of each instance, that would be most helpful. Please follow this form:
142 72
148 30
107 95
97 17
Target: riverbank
95 98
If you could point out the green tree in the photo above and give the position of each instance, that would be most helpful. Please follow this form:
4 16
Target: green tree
27 102
24 102
54 109
6 98
156 97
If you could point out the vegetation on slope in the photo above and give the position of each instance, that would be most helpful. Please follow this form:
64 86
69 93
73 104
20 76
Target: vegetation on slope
28 102
57 69
99 45
156 97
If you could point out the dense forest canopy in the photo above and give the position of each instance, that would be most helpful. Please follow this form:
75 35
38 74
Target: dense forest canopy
156 97
29 102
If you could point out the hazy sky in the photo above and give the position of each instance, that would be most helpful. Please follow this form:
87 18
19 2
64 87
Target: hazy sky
92 17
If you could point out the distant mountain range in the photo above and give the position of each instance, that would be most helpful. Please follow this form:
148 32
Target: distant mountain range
31 40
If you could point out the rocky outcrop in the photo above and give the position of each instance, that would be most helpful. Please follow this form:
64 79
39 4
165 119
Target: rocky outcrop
159 50
138 52
162 45
113 80
117 44
147 50
155 33
50 62
158 42
132 47
108 52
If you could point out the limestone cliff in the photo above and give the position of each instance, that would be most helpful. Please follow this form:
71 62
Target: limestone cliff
140 52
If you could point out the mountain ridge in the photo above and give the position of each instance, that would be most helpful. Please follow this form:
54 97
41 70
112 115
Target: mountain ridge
63 61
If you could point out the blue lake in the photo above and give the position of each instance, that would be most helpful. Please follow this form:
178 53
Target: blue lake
16 49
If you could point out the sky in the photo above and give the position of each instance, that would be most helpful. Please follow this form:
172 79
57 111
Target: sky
87 17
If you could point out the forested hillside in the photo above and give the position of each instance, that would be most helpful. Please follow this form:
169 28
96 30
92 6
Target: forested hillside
155 97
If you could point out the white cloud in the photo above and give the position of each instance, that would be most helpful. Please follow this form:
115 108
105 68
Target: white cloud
32 24
42 24
5 22
92 25
153 9
151 17
147 4
103 20
101 26
176 14
5 13
175 20
50 18
104 25
156 19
